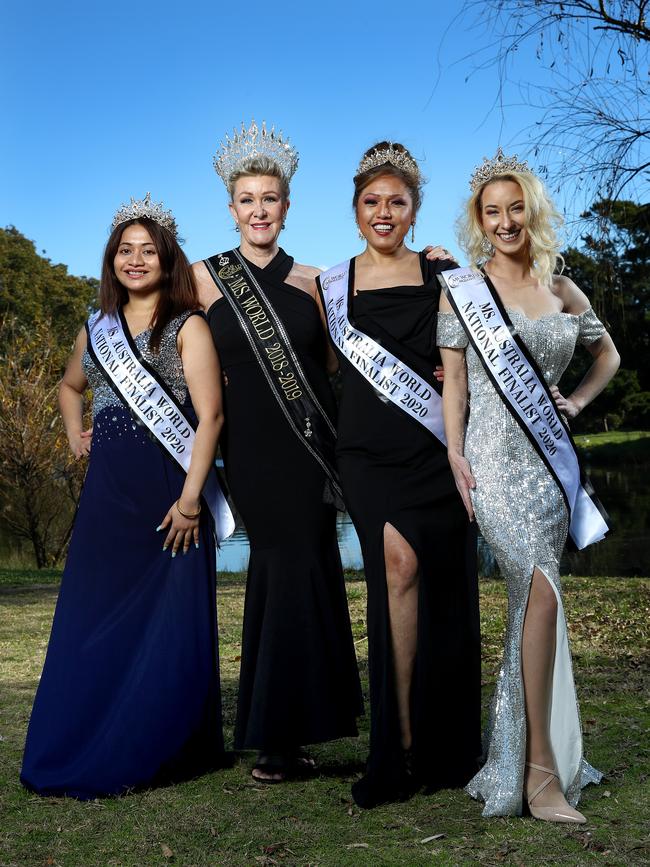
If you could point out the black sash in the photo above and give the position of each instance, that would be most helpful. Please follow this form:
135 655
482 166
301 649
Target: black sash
279 362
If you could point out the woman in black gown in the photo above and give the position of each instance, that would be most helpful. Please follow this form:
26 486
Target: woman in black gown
299 682
419 550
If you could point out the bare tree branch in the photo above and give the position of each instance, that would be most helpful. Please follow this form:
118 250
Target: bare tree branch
592 94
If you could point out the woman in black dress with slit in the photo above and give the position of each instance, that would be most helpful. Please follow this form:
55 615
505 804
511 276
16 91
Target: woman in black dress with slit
299 682
419 550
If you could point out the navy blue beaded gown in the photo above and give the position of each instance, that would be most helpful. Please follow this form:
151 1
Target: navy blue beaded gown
129 696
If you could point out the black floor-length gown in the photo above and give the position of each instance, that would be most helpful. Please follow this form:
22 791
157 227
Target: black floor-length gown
393 471
299 682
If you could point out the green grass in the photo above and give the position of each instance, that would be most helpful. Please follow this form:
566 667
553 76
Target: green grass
620 446
226 819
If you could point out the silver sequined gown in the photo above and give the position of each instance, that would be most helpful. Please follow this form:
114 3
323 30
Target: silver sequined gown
522 515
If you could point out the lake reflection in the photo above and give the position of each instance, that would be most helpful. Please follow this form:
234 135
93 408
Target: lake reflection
233 556
625 552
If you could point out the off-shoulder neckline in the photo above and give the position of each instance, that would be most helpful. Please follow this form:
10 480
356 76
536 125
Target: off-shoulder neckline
536 318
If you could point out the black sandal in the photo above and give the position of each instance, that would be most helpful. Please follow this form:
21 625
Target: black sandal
270 763
300 763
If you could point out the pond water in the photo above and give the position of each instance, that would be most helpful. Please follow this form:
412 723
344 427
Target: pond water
626 551
622 488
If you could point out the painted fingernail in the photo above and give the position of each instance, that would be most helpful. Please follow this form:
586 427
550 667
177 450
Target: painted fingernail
184 551
196 544
165 547
173 554
158 529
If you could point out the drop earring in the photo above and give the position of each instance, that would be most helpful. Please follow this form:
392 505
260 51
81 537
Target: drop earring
486 247
236 227
362 237
412 233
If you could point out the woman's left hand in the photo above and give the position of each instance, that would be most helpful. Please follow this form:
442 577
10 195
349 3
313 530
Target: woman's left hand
439 373
181 529
565 405
438 252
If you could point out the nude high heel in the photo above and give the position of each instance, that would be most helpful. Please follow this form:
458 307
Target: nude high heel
551 814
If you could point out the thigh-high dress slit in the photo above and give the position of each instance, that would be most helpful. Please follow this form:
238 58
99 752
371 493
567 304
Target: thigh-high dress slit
522 515
395 472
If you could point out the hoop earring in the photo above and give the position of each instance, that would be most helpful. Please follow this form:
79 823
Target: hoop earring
412 233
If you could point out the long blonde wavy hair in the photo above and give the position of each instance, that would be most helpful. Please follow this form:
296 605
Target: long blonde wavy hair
542 224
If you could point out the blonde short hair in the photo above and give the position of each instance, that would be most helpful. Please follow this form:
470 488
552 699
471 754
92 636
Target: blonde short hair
542 223
257 166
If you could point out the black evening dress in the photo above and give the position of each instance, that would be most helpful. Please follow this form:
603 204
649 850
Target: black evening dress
393 471
299 682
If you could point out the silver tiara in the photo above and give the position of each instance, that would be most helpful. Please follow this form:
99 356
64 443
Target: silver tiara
500 164
254 142
400 159
146 208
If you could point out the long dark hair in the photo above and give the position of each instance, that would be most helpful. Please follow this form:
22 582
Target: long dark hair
177 287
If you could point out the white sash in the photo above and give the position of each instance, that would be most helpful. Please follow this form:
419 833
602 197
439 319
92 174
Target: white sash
521 386
147 397
393 379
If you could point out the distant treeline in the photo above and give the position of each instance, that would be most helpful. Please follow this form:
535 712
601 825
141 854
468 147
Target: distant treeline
40 300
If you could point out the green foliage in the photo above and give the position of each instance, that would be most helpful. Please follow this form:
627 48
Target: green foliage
613 268
39 479
42 308
637 409
34 292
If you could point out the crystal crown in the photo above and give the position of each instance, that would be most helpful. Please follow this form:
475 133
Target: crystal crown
500 164
146 208
400 159
253 142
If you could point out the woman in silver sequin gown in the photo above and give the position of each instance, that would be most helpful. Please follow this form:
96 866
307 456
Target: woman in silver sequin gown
534 721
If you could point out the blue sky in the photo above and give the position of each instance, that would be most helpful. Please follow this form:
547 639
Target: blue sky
105 101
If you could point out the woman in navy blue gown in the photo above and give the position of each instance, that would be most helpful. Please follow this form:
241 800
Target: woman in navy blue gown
130 695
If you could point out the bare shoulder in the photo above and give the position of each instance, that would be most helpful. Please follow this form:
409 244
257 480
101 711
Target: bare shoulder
572 297
81 340
304 277
205 286
193 332
195 323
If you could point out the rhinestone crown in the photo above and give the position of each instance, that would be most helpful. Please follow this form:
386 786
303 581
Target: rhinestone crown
253 142
400 159
146 208
500 164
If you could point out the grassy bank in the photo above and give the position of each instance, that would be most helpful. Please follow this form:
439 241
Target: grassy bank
624 446
226 819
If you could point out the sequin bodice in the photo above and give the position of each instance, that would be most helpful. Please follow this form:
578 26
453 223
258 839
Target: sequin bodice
167 363
522 515
551 339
